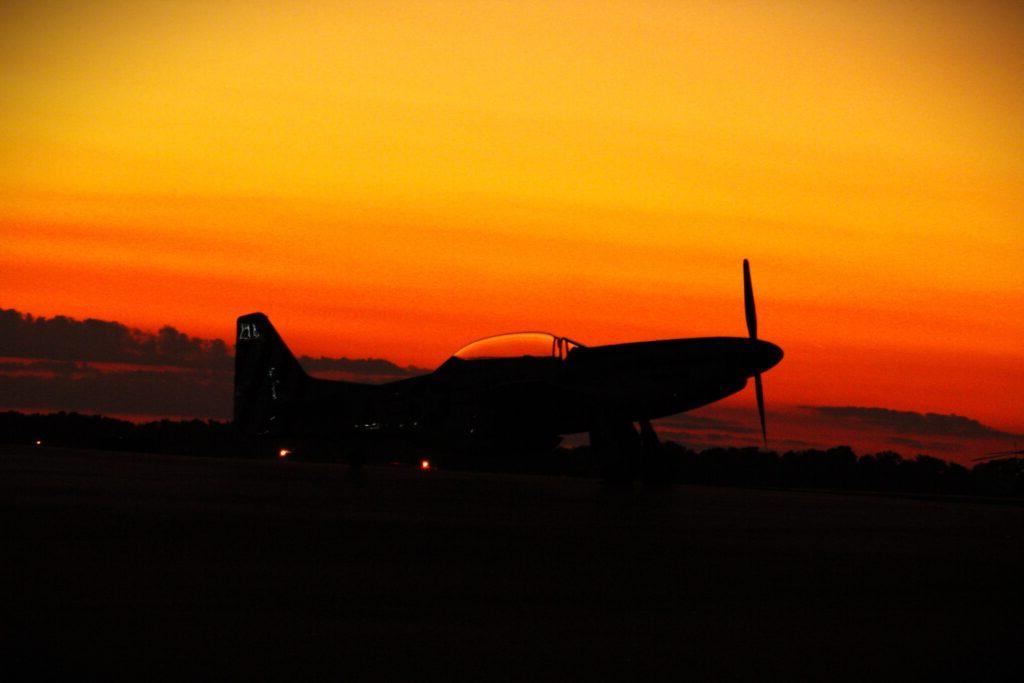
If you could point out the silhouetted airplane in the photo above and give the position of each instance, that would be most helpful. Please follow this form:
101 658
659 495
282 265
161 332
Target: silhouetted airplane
512 391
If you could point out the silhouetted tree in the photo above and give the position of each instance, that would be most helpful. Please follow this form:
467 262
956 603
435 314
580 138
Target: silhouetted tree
999 477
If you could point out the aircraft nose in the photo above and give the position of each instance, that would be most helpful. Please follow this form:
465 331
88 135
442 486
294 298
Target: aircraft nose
768 355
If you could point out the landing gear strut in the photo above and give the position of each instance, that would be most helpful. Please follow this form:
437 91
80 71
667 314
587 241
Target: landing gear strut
625 453
657 469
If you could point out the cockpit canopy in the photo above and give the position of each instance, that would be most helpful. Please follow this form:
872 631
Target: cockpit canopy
517 345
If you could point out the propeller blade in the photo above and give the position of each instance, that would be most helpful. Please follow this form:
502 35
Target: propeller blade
759 389
748 301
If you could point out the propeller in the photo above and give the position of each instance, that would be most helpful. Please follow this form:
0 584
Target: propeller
751 311
748 301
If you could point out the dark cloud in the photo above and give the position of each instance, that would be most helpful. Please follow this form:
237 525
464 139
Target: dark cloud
100 366
793 444
60 338
377 367
702 423
920 445
63 338
703 431
911 423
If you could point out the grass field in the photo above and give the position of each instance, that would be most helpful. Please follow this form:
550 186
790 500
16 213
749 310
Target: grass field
122 564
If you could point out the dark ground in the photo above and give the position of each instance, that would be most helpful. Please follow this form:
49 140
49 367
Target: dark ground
174 567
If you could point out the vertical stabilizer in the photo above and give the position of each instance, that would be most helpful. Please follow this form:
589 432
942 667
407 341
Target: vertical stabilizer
267 377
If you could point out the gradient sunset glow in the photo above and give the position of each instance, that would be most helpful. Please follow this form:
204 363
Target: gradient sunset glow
396 179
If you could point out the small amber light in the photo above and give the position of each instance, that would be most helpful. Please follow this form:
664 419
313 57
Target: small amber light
39 442
283 453
424 464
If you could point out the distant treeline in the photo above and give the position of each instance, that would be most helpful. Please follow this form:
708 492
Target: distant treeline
208 438
835 468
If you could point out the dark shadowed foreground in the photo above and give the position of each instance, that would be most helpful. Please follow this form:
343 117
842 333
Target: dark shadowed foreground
167 566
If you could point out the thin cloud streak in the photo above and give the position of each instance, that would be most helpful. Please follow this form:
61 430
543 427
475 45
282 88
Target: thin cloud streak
910 422
85 388
866 429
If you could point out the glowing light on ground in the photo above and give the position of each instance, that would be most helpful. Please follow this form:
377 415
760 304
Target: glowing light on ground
284 453
424 465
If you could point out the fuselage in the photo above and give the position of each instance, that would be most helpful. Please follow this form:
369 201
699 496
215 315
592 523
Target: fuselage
532 397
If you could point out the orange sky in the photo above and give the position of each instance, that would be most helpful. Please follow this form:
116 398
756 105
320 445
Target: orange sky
395 179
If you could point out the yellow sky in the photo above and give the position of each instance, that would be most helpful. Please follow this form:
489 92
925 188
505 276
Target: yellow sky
398 178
